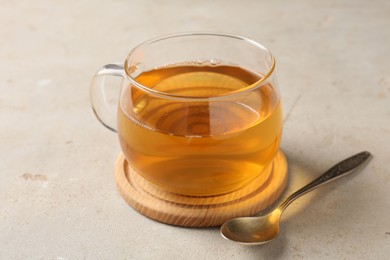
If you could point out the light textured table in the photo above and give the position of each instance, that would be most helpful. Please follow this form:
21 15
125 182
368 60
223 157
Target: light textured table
58 198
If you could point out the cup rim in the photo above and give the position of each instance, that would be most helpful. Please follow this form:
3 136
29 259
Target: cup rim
165 95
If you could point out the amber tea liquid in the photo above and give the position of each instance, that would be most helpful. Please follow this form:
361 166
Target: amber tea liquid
204 147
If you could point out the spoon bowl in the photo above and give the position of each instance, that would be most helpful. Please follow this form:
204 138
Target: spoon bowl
262 229
251 230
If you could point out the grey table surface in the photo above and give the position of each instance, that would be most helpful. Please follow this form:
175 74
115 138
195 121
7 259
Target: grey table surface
58 198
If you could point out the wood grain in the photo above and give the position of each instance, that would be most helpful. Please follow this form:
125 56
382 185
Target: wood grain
156 203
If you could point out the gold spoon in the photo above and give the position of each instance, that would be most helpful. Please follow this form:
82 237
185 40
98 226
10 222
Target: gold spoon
262 229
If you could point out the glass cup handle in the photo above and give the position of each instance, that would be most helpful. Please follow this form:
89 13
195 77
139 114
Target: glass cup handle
103 100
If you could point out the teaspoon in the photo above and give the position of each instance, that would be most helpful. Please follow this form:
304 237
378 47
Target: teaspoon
262 229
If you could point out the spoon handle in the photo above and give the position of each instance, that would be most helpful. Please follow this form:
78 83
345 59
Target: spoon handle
341 169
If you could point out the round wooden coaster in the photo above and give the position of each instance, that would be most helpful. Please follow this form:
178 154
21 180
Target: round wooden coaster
189 211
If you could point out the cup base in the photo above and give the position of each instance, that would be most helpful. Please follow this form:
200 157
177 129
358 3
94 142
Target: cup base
200 211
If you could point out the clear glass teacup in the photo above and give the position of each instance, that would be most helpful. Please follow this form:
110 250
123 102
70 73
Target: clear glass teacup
198 114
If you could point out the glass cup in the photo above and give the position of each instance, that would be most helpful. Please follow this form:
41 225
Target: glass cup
198 114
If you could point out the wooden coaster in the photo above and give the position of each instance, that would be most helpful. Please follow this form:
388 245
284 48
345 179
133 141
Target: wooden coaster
189 211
